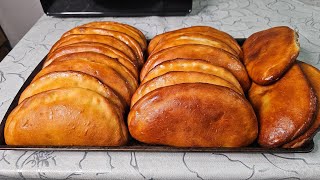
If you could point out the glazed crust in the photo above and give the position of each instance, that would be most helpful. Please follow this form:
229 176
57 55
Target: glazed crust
222 36
192 65
60 118
132 43
193 38
313 75
213 55
172 78
104 73
56 80
107 61
268 54
108 40
124 28
195 115
94 47
285 109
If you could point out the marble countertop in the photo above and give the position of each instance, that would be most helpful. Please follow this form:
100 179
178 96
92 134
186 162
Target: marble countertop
240 18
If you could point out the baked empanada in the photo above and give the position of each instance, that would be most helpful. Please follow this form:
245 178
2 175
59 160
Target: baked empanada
104 73
193 38
222 36
66 117
108 40
56 80
313 75
268 54
172 78
124 28
132 43
213 55
193 115
284 109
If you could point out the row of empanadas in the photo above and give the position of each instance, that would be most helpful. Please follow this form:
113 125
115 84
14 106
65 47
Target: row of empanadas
81 95
192 92
284 93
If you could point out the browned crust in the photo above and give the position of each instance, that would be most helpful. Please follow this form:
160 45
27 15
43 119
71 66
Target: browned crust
132 43
192 65
125 28
108 40
176 77
100 71
193 38
200 29
313 75
270 53
106 61
65 79
210 54
94 47
49 117
285 109
195 115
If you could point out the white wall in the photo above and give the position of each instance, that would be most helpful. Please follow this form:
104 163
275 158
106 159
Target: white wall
18 16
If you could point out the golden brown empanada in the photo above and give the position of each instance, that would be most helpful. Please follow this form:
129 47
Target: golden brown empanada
213 55
98 48
107 61
132 43
172 78
268 54
124 28
104 73
56 80
222 36
193 115
193 38
66 117
284 109
108 40
313 75
192 65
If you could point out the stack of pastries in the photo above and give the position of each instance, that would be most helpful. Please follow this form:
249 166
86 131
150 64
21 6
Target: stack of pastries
81 95
192 92
284 92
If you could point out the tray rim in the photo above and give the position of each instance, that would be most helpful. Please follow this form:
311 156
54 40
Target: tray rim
138 147
155 148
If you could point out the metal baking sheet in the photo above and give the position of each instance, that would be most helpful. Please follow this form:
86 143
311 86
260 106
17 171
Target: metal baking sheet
134 145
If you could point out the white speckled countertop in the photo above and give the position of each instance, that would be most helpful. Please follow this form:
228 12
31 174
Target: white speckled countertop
239 18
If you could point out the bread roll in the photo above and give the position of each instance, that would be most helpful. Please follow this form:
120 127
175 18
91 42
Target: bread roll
285 109
193 38
106 61
313 75
270 53
172 78
132 43
108 40
124 28
192 65
104 73
193 115
213 55
69 116
94 47
222 36
56 80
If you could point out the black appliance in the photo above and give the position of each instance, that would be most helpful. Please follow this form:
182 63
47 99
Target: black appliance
117 8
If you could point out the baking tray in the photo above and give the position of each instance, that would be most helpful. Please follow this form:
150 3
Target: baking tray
134 145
